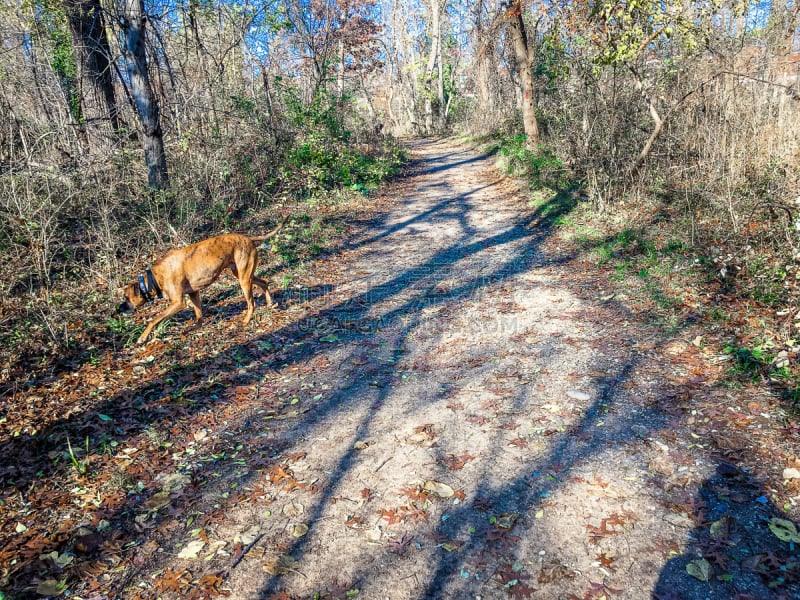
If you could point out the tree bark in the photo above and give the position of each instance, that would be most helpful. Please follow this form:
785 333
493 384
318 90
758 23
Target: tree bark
658 122
483 75
524 53
98 103
433 58
340 57
133 26
440 86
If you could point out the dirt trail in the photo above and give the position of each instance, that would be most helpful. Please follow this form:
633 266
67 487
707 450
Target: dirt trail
448 406
460 352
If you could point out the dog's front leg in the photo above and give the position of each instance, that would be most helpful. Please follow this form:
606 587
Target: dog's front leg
174 307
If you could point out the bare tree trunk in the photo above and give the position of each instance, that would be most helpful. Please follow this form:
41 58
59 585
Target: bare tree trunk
658 122
367 99
433 57
524 53
485 96
340 59
482 72
98 104
268 96
389 100
133 26
440 86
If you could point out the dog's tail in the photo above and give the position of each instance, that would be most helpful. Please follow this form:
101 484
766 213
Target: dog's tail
263 238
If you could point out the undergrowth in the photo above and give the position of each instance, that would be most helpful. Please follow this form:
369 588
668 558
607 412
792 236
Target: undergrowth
679 262
71 239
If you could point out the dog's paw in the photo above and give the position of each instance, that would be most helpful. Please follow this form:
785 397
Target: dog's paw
193 325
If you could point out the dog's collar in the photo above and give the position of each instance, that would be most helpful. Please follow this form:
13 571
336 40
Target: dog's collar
148 285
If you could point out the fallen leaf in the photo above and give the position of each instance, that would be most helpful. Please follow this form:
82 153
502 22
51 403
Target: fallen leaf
213 548
173 482
554 571
279 565
452 546
293 509
442 490
300 530
157 501
399 545
247 537
60 560
699 569
720 529
191 550
506 520
51 587
784 530
456 463
173 581
210 585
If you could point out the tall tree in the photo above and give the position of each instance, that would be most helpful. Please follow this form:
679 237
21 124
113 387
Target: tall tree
484 47
98 105
334 34
134 21
525 55
434 62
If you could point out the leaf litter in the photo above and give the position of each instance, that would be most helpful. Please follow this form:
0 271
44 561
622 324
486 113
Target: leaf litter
568 430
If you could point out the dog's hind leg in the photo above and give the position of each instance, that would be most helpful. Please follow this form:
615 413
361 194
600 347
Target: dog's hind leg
264 286
246 282
247 290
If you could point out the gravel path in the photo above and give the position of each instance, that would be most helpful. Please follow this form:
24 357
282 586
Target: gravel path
459 410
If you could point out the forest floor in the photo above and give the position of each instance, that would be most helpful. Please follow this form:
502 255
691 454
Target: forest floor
454 403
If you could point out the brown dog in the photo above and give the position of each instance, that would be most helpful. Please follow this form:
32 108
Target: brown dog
189 269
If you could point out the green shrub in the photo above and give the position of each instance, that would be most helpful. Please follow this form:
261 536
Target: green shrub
541 166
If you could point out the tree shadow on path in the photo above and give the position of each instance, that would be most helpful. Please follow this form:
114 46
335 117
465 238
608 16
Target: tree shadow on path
731 552
157 404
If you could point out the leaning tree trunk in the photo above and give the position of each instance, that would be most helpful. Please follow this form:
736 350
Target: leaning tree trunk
524 54
92 56
658 123
133 26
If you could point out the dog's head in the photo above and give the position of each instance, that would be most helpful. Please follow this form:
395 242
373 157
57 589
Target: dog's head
133 298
